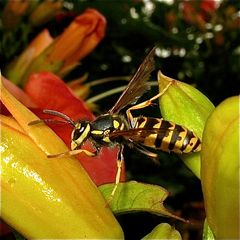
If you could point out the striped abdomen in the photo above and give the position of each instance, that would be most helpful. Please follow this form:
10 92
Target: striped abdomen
169 137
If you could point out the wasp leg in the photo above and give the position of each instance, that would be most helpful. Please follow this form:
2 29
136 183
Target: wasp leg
72 153
143 150
144 104
118 174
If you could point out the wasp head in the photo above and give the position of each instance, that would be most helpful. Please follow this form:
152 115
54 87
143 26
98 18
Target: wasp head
80 134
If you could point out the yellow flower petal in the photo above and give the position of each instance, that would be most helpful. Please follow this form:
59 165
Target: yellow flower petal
47 198
220 169
11 122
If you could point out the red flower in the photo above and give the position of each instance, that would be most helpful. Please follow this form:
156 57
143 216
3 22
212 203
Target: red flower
48 91
198 12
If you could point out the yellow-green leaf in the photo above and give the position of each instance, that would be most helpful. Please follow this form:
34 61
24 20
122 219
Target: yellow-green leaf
134 196
186 106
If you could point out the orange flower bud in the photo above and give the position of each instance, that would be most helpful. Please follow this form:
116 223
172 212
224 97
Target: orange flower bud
45 11
79 39
13 12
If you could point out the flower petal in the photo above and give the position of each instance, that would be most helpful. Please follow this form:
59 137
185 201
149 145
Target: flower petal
220 169
49 92
48 199
16 70
19 94
23 116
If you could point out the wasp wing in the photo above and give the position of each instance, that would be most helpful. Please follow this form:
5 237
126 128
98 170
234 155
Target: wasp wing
139 134
137 85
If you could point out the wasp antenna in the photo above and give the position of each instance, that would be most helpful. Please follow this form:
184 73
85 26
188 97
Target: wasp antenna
46 121
59 114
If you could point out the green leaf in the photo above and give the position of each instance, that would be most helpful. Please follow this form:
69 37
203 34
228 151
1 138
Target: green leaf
185 105
163 231
133 196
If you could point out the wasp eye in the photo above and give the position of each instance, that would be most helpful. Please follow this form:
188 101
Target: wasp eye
76 134
80 132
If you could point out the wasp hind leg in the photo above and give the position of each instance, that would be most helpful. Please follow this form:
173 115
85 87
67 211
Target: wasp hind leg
72 153
145 104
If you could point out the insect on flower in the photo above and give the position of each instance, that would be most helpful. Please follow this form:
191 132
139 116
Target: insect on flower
115 128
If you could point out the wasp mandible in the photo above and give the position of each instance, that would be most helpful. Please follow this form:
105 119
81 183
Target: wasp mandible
115 128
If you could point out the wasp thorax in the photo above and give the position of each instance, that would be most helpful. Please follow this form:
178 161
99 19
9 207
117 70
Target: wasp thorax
80 134
104 125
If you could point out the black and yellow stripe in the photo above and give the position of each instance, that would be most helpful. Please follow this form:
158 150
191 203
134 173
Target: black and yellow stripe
169 137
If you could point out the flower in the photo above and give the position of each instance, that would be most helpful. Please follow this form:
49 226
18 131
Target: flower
38 96
17 68
45 11
220 169
198 13
64 52
81 37
53 198
13 12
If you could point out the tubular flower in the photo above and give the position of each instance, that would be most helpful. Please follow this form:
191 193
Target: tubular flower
220 169
81 37
44 198
45 11
65 52
17 68
13 12
38 96
88 29
186 106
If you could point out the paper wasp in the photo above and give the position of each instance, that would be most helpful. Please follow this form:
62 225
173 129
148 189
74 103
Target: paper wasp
115 128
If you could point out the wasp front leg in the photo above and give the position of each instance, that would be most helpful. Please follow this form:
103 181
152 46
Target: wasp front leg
72 153
78 151
144 104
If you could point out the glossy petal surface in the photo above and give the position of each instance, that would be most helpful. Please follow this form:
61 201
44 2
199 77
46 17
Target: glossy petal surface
43 198
220 169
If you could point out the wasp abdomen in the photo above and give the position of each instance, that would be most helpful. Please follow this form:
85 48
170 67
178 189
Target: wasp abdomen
167 136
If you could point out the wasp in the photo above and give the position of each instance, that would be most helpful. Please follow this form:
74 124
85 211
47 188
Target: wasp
116 128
